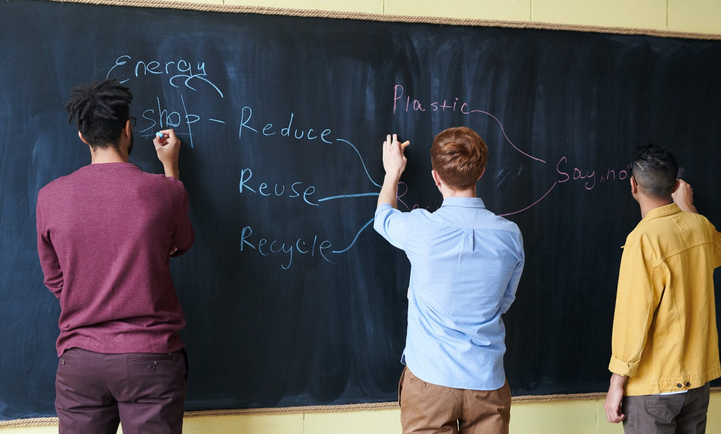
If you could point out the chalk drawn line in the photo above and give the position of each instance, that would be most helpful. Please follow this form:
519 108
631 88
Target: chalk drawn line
356 237
344 196
534 203
361 160
506 136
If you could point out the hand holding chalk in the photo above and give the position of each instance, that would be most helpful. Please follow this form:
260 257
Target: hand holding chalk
167 146
394 160
683 197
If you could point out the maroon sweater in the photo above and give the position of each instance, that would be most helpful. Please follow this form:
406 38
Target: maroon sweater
104 233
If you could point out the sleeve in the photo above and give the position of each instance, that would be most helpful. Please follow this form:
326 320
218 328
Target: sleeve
717 248
49 262
636 302
183 235
392 225
509 296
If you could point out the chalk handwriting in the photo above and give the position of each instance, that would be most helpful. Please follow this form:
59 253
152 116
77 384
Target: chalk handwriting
164 118
178 72
453 105
278 190
270 129
411 104
267 247
589 178
295 128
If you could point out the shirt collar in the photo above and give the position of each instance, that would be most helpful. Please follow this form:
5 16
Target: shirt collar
662 211
465 202
112 165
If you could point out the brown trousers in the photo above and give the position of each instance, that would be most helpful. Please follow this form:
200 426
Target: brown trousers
95 392
684 413
431 409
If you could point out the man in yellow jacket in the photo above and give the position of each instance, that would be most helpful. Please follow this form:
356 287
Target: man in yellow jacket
665 342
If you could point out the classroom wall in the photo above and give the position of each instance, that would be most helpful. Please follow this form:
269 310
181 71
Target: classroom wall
565 417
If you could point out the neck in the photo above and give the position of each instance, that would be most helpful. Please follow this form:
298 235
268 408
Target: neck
108 155
447 192
649 204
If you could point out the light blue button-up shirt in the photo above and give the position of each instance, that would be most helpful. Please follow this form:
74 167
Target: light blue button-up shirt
466 263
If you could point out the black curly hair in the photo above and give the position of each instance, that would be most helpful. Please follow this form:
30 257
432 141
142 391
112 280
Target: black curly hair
100 110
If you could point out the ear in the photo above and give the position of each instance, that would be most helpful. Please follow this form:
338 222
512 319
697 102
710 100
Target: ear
634 185
128 128
482 173
436 178
675 187
83 138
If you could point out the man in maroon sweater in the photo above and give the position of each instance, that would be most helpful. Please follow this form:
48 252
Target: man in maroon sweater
105 236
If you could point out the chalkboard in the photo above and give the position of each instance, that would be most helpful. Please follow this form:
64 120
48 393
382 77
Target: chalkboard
290 297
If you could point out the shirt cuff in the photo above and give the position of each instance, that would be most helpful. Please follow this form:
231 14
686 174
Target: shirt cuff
620 367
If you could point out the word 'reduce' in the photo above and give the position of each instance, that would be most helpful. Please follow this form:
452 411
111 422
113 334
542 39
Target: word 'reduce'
269 129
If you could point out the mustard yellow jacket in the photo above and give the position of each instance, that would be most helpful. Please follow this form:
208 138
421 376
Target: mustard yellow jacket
664 327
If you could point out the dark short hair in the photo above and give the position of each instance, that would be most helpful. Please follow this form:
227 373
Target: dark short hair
459 156
655 170
100 111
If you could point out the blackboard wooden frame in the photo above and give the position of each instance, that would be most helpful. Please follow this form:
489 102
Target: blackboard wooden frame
395 19
315 13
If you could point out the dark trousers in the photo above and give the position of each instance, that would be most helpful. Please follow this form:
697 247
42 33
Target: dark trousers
95 392
683 413
431 409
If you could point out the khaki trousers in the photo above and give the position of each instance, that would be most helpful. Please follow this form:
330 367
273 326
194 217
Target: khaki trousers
431 409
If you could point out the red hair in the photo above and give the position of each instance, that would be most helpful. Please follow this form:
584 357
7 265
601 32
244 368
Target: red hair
459 156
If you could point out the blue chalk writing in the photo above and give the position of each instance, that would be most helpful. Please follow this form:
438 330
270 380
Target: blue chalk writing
284 248
293 128
176 71
164 118
262 188
346 196
361 160
268 129
190 119
356 237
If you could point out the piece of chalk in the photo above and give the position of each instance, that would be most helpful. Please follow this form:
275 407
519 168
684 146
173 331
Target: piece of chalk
406 143
159 134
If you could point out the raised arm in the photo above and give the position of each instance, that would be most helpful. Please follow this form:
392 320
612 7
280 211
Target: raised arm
168 150
683 197
394 163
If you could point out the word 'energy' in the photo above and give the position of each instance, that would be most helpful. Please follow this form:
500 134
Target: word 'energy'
178 71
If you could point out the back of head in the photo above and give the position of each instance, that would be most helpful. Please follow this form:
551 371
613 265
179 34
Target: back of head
655 170
459 156
100 111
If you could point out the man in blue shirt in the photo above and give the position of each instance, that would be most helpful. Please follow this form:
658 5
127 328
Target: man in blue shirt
466 263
